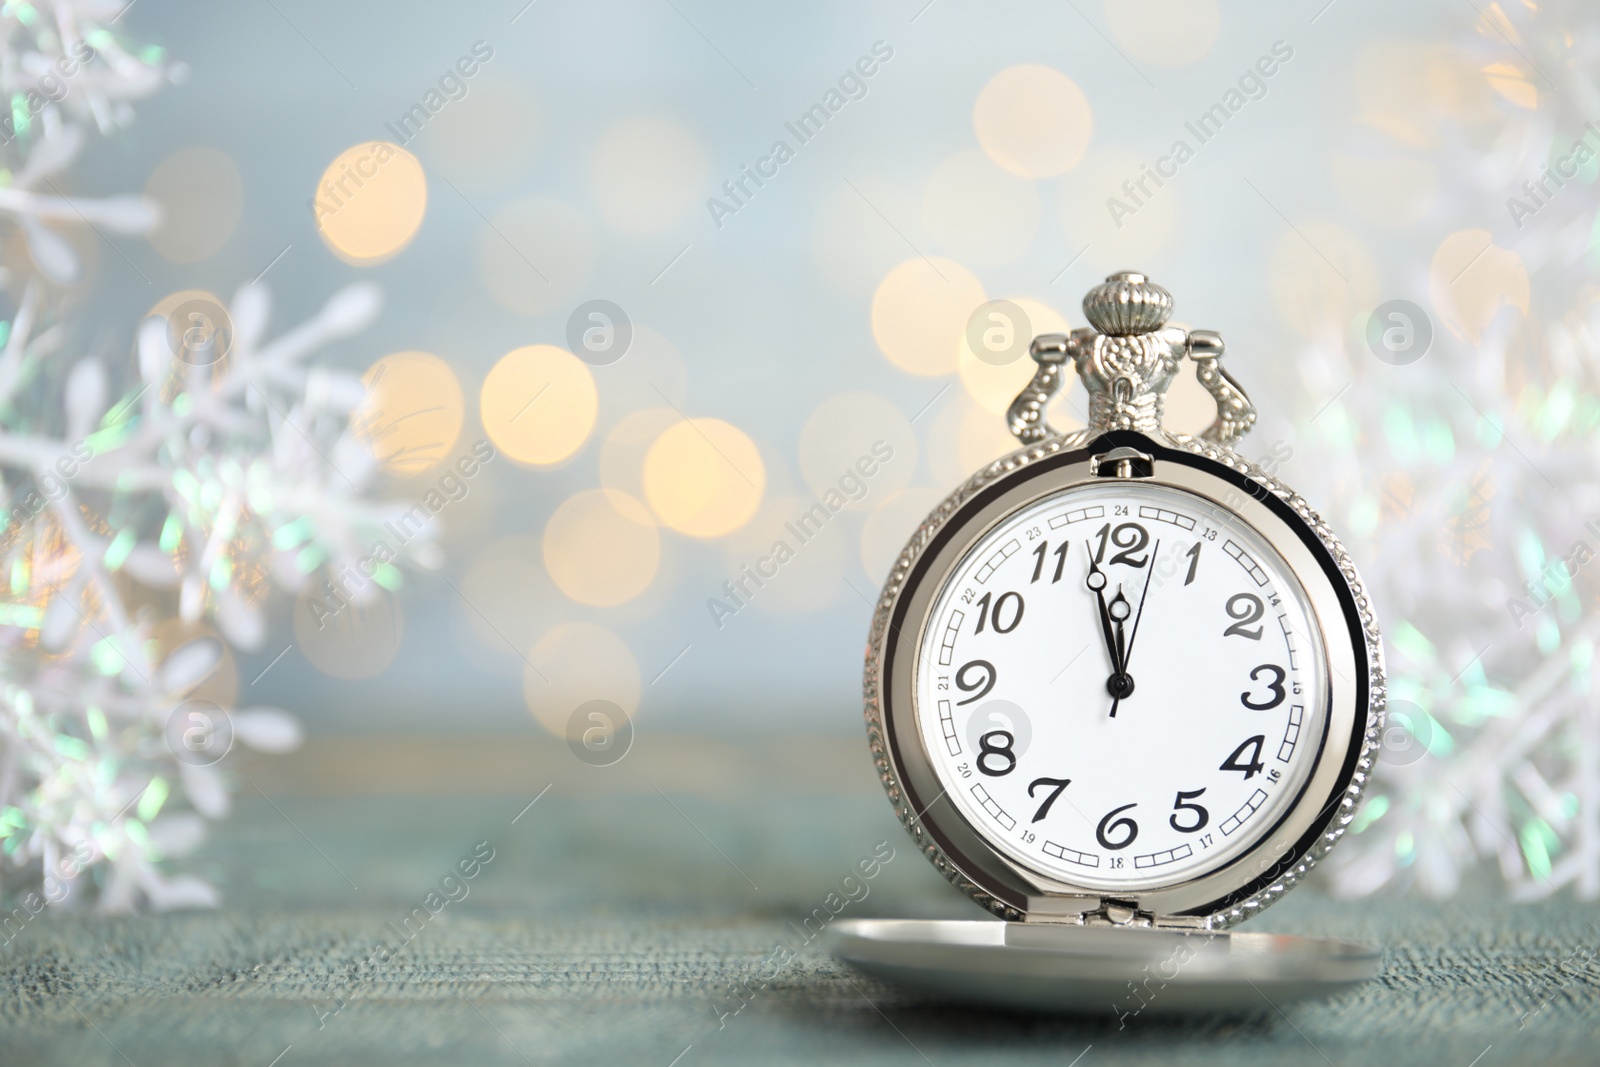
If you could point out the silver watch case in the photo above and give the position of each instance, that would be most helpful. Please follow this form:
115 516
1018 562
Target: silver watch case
1354 679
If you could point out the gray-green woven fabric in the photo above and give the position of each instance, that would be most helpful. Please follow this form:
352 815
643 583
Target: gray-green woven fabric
626 927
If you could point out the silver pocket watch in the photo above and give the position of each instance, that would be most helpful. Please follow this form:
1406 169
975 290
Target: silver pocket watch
1124 689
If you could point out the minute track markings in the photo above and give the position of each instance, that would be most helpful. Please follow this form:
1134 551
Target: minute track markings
1077 515
999 663
1201 692
1177 518
1071 855
1291 733
993 563
947 725
1246 561
992 807
1157 859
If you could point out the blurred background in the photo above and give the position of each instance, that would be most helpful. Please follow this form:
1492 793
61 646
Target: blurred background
408 412
792 332
677 266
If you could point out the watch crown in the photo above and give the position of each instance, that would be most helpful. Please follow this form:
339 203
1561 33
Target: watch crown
1127 303
1126 363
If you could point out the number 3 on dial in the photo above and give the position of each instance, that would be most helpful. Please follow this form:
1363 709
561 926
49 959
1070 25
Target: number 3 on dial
1274 688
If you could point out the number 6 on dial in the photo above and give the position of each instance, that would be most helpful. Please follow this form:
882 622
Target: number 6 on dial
1191 693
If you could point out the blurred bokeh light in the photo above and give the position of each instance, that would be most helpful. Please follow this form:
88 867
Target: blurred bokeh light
573 663
413 411
370 202
920 313
601 547
704 477
1002 156
1033 120
538 404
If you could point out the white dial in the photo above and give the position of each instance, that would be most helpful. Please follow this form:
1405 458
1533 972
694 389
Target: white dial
1121 686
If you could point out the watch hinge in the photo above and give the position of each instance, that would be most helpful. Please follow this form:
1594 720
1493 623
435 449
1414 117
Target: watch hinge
1121 462
1126 913
1118 913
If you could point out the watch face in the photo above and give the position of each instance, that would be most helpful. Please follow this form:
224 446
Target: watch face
1121 686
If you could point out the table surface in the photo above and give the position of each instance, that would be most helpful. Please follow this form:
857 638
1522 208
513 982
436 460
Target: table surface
624 908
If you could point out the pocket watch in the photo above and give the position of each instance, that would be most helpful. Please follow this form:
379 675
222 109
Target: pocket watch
1124 677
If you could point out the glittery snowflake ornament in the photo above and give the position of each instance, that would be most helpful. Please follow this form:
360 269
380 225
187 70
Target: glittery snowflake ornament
150 511
1476 485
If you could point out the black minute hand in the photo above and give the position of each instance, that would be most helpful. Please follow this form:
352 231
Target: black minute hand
1133 634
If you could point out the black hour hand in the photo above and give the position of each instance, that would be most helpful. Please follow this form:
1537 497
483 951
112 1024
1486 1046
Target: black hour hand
1096 581
1120 611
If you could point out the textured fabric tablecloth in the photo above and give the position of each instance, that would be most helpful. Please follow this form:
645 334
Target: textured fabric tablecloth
620 913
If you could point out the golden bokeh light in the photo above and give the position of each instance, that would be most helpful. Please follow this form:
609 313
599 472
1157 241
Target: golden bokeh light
601 547
647 173
574 663
920 312
164 307
536 256
487 140
201 197
1513 83
1166 33
1471 279
344 639
1412 89
412 413
622 452
704 477
370 202
978 212
859 446
538 404
1321 277
1033 121
199 335
890 526
995 386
